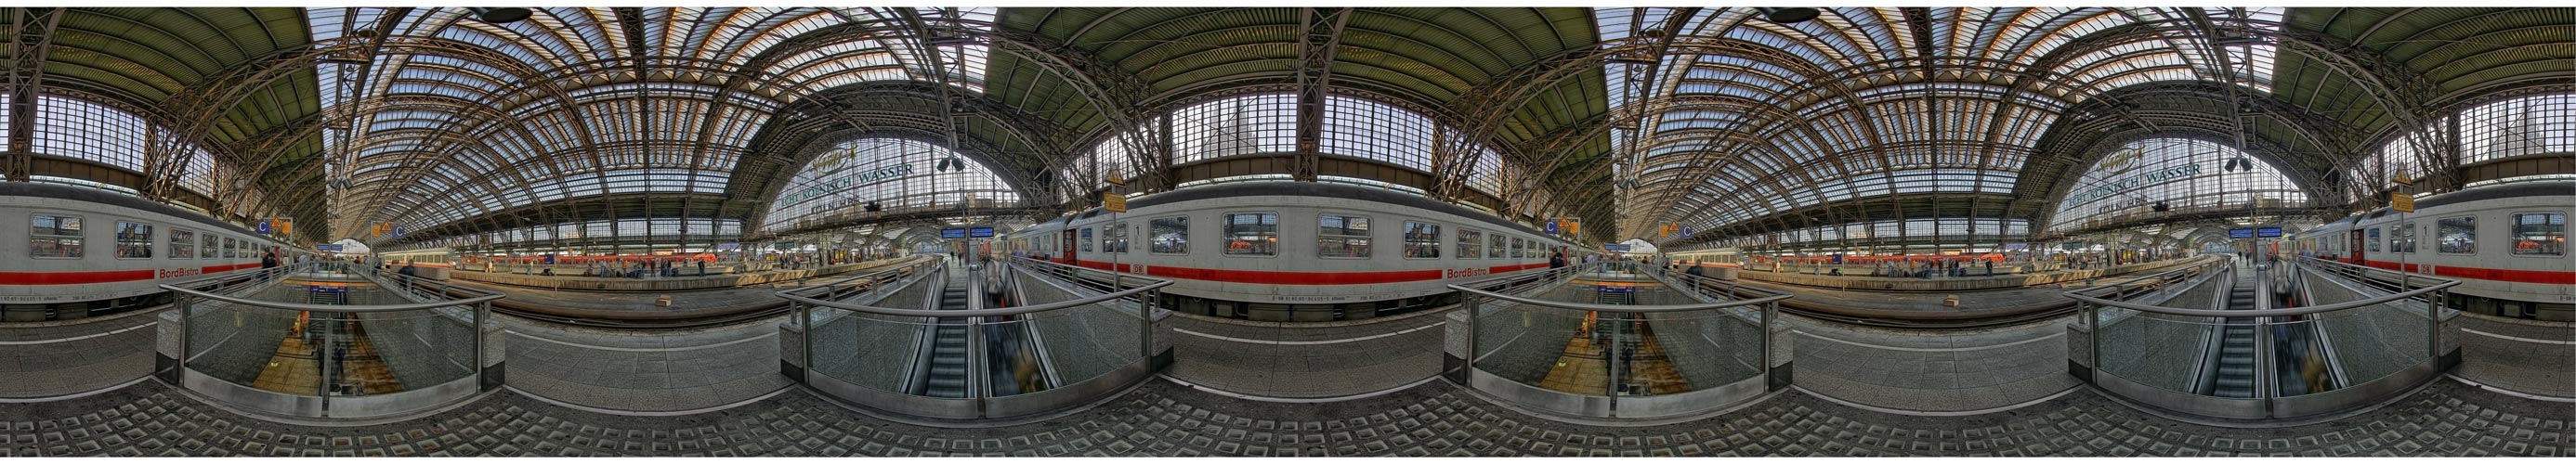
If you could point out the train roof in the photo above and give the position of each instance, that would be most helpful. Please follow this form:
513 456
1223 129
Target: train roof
90 195
1308 189
2554 188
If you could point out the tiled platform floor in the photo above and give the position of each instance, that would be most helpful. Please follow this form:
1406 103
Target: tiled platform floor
1161 418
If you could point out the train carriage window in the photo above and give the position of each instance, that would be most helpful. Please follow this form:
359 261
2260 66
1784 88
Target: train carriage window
1421 240
1252 234
2401 238
1519 249
1085 239
183 244
55 237
1471 244
1339 236
213 248
1113 239
2373 241
232 249
133 240
2456 235
1497 250
2540 234
1171 235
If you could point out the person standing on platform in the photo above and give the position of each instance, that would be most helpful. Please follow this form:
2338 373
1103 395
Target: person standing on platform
1556 260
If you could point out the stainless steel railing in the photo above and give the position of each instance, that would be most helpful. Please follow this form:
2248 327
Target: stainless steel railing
1609 360
2306 360
237 343
862 352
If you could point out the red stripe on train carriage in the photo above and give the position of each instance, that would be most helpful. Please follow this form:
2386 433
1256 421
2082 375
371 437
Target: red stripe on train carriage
101 277
2480 273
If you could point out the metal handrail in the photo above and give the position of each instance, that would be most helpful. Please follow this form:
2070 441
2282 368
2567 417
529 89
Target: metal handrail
1010 311
1547 275
1621 308
178 287
2409 294
1070 270
899 270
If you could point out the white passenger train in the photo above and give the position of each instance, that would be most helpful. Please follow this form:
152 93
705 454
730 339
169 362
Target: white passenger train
1294 251
2506 243
92 252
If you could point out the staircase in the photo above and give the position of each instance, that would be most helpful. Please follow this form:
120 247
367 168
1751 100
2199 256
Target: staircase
2235 367
948 350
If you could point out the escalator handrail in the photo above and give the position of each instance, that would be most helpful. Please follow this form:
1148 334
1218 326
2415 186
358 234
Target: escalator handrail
182 288
1623 308
1010 311
2444 284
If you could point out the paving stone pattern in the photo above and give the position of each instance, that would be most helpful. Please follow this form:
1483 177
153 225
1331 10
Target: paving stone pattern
1164 419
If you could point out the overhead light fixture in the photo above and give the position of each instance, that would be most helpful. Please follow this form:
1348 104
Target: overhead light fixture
1788 15
501 15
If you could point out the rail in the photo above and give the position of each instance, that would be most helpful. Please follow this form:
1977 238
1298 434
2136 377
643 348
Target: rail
359 357
864 352
2307 360
1609 360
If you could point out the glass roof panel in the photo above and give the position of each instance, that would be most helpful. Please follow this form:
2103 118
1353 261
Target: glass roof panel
2186 175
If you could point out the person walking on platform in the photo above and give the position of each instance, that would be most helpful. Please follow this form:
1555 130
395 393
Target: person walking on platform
269 260
1556 260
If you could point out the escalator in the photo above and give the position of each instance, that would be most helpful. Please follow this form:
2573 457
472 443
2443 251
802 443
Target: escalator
2235 366
948 360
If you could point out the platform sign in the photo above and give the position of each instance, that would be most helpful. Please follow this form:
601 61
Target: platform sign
1113 202
1614 247
326 247
263 227
2240 233
979 232
1551 227
2268 232
2401 202
952 233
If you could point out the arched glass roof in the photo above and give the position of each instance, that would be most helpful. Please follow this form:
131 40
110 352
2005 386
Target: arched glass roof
456 119
1742 121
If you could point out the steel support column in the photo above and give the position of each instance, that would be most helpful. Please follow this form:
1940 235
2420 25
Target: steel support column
34 36
1323 35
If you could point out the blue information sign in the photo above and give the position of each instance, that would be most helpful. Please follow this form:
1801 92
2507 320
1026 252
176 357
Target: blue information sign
2240 233
1551 227
980 232
952 233
263 227
2268 232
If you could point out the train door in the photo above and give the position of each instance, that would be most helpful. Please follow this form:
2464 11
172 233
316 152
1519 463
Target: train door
2355 245
1068 246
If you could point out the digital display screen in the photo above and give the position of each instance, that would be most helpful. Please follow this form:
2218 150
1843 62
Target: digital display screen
2268 232
2240 233
952 233
980 232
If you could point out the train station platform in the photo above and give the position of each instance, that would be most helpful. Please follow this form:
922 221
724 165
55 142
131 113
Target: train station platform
1161 418
688 280
573 302
1856 391
1859 278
